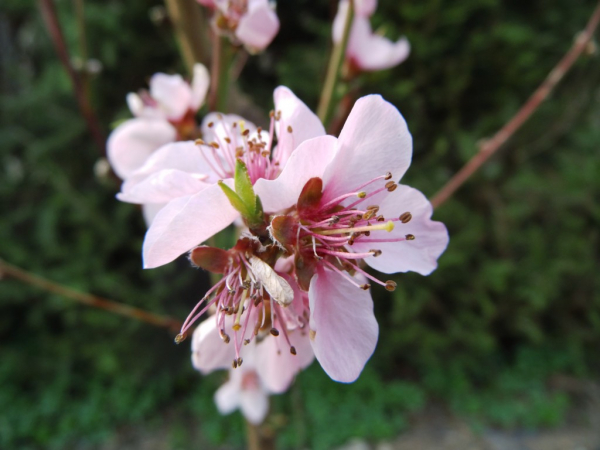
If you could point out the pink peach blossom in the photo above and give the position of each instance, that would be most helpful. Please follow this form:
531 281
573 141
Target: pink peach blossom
252 23
367 51
341 205
163 114
190 219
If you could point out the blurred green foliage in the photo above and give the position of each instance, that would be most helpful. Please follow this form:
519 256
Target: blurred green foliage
516 298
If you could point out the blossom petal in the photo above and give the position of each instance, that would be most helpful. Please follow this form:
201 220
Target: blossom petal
172 93
228 397
186 222
344 325
365 8
209 352
419 255
162 187
150 210
258 27
132 142
200 84
370 51
254 404
274 363
307 161
184 156
296 124
375 140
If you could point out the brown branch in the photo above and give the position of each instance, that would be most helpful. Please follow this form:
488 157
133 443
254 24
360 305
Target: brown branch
489 147
89 299
52 23
189 25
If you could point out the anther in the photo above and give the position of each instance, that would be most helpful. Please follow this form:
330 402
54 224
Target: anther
388 176
289 128
225 337
199 142
365 287
227 140
362 194
246 341
210 124
380 218
390 285
180 338
369 214
405 218
391 186
234 364
274 331
271 114
410 237
214 145
246 132
239 361
375 252
374 208
334 219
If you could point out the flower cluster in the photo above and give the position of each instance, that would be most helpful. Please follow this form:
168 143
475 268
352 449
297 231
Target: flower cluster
312 211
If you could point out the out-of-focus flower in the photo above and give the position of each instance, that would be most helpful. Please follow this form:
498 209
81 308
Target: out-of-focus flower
252 23
367 51
191 219
164 114
340 205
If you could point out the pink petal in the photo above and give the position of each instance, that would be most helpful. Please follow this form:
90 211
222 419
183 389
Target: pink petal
228 396
274 363
209 352
419 255
183 156
258 27
340 21
365 8
132 142
307 161
297 117
186 222
254 405
200 84
150 210
375 140
372 52
172 93
162 187
345 326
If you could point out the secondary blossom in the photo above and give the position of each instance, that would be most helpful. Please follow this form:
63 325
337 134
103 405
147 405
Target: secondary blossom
163 114
367 51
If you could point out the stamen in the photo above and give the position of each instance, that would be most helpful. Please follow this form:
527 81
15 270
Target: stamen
390 285
388 226
180 338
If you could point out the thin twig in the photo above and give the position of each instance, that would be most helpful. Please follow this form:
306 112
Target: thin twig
489 147
89 299
53 24
189 25
333 70
215 71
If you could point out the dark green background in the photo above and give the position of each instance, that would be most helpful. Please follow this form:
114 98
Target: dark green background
515 301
